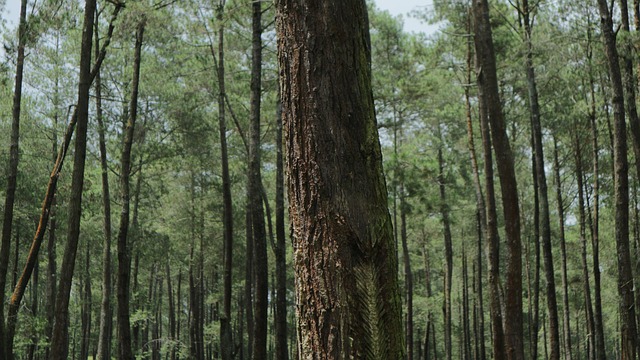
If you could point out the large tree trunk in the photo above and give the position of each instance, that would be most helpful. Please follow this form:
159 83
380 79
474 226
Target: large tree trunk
487 79
60 340
12 176
261 271
628 331
337 194
124 251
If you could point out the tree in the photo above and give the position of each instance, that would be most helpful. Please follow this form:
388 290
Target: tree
628 330
337 193
60 340
12 176
124 251
488 82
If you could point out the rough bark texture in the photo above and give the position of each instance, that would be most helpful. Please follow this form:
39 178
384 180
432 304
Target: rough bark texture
124 262
487 79
621 185
60 340
347 296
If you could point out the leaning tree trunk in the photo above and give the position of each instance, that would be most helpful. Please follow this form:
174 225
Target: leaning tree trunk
12 175
124 262
60 340
488 81
337 194
628 331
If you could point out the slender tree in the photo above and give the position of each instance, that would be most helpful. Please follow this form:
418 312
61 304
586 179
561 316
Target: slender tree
541 181
12 173
487 80
261 271
628 333
106 322
337 193
60 340
124 251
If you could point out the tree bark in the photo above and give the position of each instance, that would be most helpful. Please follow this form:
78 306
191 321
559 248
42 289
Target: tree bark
60 340
124 251
448 251
595 221
348 300
226 337
12 176
545 222
255 195
281 250
563 254
621 183
106 322
487 79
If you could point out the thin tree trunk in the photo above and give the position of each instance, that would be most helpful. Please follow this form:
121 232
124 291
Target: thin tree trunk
408 274
585 270
563 254
106 322
492 237
255 195
487 79
172 315
59 343
545 222
628 331
481 215
249 279
282 352
12 176
86 310
595 237
226 337
124 251
448 251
